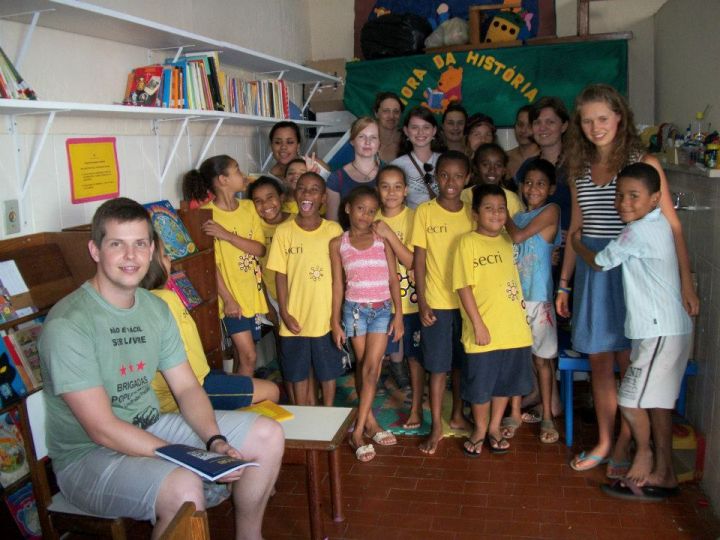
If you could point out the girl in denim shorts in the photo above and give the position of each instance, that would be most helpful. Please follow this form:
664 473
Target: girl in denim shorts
361 277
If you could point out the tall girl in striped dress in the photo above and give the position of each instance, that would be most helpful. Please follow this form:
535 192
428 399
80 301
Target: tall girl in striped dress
361 276
602 139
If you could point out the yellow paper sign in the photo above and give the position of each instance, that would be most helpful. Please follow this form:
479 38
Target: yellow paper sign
94 172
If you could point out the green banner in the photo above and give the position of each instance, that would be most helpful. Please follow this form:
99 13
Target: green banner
494 81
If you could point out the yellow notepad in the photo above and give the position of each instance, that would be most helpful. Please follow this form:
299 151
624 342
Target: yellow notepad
271 410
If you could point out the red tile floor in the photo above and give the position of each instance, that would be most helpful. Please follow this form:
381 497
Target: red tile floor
529 493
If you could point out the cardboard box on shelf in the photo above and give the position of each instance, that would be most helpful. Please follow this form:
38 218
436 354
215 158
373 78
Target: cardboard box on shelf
329 97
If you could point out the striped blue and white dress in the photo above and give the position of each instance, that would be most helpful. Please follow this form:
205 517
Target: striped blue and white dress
598 303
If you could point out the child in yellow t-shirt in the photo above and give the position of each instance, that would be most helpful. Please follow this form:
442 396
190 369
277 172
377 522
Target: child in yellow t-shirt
267 196
437 227
490 163
395 221
495 333
239 243
300 256
226 392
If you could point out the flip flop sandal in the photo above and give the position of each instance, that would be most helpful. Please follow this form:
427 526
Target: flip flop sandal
548 432
628 490
617 469
592 458
476 445
362 452
532 416
384 438
509 426
496 445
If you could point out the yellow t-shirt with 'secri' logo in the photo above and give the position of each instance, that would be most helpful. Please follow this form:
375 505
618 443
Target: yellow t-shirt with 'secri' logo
304 257
486 265
437 231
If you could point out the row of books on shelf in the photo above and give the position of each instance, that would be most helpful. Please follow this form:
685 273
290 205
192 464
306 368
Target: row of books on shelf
12 85
195 81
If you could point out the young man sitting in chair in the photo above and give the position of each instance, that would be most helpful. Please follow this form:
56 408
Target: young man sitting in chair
100 348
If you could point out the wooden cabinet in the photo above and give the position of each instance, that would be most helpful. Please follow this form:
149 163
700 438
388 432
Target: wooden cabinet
200 269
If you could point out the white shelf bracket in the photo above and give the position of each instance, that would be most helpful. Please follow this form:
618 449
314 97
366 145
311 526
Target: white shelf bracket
281 75
266 162
209 142
36 155
26 41
174 148
310 146
312 93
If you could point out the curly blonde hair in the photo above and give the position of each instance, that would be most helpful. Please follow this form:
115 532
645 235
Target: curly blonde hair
580 152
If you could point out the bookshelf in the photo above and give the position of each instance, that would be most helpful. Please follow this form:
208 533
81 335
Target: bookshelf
86 19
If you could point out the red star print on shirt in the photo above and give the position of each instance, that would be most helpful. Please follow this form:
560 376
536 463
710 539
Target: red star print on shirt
140 365
123 370
131 368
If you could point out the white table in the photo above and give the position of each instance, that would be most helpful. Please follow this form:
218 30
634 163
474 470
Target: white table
315 430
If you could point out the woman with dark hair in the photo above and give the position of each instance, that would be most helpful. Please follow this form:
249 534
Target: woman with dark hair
453 126
526 147
388 109
285 142
479 129
418 157
602 140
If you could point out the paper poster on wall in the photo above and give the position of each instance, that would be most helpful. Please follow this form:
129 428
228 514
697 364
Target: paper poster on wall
94 172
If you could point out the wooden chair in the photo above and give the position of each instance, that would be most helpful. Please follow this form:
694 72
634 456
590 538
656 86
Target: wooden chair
55 512
188 524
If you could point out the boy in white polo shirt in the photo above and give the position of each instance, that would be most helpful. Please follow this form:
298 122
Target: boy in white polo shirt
657 324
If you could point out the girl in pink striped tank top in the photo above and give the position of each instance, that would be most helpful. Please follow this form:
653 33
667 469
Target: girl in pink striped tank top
364 293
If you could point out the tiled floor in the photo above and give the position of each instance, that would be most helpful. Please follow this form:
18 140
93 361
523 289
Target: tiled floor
529 493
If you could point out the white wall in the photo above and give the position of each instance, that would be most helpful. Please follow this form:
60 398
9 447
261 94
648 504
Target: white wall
686 79
67 67
687 56
635 16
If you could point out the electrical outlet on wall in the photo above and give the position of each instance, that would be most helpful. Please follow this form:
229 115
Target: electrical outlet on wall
11 217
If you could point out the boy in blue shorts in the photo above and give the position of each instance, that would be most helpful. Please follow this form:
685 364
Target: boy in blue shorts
300 256
437 227
657 324
495 332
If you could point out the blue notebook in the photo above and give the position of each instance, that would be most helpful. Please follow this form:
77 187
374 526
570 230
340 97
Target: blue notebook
209 465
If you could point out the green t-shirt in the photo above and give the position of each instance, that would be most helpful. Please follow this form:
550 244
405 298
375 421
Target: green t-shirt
86 343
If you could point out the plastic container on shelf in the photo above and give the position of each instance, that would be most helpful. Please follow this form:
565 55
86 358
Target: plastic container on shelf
711 156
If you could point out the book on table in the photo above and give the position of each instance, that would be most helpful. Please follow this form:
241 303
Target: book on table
271 410
209 465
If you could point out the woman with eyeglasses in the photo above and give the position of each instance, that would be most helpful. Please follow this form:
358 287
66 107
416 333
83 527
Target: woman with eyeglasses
418 158
362 170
